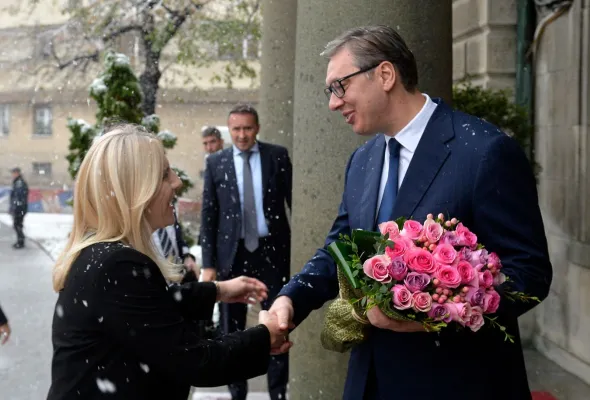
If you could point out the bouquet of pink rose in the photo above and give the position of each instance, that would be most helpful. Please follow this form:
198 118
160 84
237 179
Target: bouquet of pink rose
435 273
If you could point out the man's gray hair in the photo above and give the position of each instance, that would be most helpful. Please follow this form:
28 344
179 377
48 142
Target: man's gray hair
371 45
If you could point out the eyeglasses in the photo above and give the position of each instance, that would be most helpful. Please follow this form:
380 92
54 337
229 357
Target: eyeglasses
336 87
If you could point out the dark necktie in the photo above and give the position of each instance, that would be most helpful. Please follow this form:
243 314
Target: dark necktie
249 220
390 192
166 243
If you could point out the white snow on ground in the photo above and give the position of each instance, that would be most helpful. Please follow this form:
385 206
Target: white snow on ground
49 230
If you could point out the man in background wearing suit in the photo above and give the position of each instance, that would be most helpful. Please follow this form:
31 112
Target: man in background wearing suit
244 225
426 158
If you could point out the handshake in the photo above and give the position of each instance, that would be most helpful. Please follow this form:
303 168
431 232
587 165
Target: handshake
278 319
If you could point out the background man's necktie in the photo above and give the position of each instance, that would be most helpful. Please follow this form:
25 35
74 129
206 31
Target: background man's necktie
390 192
167 245
249 221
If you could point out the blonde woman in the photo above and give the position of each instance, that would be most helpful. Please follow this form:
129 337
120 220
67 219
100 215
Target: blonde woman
119 329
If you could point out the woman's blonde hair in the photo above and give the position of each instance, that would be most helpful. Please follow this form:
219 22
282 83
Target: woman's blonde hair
121 173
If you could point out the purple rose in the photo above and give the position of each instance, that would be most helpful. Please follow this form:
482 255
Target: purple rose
441 312
478 257
416 282
449 237
398 269
475 296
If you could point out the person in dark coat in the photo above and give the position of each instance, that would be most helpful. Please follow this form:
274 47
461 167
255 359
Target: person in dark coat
18 206
124 325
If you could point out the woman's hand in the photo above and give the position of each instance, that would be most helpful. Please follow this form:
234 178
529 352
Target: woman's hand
242 290
279 339
4 333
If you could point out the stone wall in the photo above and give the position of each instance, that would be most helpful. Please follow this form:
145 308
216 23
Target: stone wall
484 42
562 148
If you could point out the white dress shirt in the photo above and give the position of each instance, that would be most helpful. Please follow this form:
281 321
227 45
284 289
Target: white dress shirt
256 168
408 137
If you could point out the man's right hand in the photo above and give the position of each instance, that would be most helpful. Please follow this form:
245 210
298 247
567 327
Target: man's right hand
279 340
282 308
209 274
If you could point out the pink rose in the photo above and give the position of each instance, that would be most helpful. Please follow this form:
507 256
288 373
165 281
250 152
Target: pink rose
398 269
486 279
420 260
448 276
466 272
444 254
416 282
377 268
422 302
463 312
433 230
466 237
449 237
389 227
491 302
402 298
493 261
441 312
475 296
400 246
412 230
476 319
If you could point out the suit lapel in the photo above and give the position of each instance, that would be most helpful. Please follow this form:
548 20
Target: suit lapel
428 158
372 182
265 164
229 171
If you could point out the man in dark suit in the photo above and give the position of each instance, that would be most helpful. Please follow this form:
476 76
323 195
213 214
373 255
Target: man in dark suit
426 158
244 225
18 206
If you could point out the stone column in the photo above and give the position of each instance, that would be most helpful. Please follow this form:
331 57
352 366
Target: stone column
277 69
323 142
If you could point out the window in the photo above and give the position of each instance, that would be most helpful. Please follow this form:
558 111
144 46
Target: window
251 48
43 119
42 169
4 119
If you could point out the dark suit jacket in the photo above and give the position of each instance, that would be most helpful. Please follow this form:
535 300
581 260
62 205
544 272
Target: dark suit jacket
465 168
119 329
221 217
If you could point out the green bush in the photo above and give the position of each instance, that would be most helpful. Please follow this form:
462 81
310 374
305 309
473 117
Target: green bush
496 107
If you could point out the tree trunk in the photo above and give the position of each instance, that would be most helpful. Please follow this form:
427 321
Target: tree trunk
150 77
149 81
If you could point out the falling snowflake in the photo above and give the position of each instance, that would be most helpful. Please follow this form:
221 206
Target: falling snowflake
105 386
